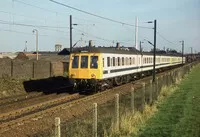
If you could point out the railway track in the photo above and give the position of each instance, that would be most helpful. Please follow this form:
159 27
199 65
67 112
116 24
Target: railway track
29 114
65 107
25 114
10 100
18 98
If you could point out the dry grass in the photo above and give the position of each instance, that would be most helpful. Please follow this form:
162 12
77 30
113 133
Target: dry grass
130 123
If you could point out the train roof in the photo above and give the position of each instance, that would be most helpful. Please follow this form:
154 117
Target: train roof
122 50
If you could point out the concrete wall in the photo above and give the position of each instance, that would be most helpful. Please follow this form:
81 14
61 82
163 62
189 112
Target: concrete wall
5 67
42 69
57 68
22 69
31 69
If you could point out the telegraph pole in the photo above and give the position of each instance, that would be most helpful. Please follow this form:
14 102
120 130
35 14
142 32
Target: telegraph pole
70 33
154 52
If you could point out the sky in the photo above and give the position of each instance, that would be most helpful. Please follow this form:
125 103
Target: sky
176 20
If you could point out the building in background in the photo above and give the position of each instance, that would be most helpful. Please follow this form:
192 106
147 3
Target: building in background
8 55
58 47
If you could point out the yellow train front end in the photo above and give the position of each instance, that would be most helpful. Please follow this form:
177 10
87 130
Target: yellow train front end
85 69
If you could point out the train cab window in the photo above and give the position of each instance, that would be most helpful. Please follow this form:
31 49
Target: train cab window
94 62
113 61
84 61
108 61
75 62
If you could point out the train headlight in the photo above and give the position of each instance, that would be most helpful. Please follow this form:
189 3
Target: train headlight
72 75
93 76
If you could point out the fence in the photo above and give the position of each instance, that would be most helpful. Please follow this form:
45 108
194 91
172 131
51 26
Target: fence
30 69
104 119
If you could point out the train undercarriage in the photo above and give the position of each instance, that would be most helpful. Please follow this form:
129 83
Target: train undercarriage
95 85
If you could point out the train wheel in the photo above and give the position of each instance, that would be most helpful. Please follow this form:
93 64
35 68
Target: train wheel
118 81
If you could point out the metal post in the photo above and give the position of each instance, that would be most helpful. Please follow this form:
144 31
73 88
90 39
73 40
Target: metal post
70 33
11 68
143 93
57 127
136 33
154 52
37 43
191 54
141 46
117 112
157 88
95 120
132 99
35 30
25 46
182 50
151 93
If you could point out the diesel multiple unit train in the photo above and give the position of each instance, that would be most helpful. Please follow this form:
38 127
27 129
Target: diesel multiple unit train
102 67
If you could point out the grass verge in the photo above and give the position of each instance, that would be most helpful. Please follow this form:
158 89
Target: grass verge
130 124
179 114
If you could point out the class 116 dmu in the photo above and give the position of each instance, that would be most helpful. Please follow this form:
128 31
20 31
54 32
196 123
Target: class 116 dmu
99 68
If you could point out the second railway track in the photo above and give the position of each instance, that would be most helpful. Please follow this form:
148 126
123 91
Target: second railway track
9 100
14 114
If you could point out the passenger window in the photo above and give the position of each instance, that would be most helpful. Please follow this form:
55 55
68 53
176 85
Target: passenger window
94 62
139 61
84 61
75 62
103 62
113 61
118 61
127 61
130 61
108 61
122 61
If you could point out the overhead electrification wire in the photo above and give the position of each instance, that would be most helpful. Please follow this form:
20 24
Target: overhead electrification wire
26 16
22 2
25 33
29 25
95 15
165 38
100 38
92 35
